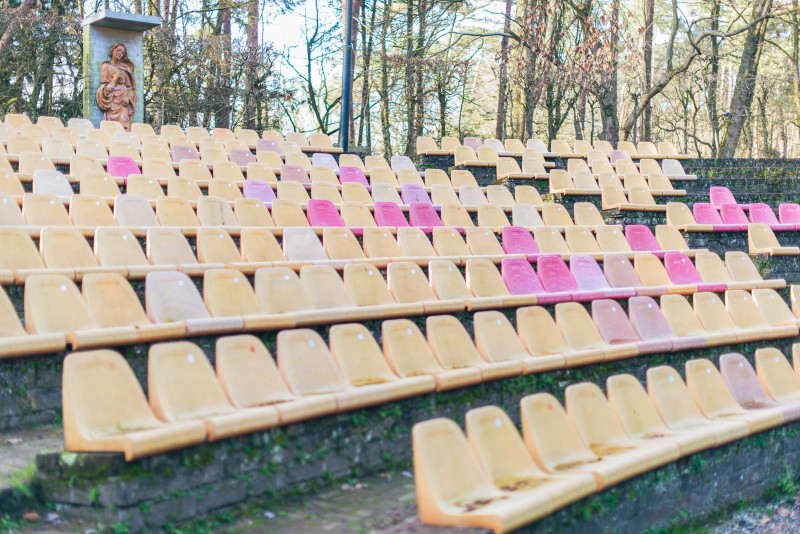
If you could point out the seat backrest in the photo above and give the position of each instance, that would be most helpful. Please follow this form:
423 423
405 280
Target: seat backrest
323 213
456 215
789 213
482 241
705 213
762 213
776 375
115 247
611 239
517 240
278 290
51 183
44 210
594 418
389 214
146 186
341 244
65 248
172 296
539 333
577 326
520 278
670 238
471 195
413 193
302 244
555 275
492 216
612 322
448 242
650 270
720 196
216 211
647 319
168 246
733 214
744 310
743 382
711 267
380 243
247 372
365 285
556 215
619 271
408 283
19 251
709 390
324 287
484 280
423 214
712 314
415 243
352 174
640 238
550 241
356 215
680 268
672 398
53 304
450 342
406 349
135 211
587 214
636 412
358 355
587 273
580 240
741 267
175 212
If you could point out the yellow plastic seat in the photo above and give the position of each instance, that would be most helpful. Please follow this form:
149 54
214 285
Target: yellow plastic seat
326 291
259 245
362 366
326 191
492 216
509 465
66 248
442 194
550 241
366 287
288 213
447 242
641 421
653 274
224 189
227 171
774 309
556 215
355 192
53 305
776 375
483 242
341 244
447 282
19 252
279 291
90 210
175 212
252 212
747 315
454 349
356 215
408 284
216 246
436 177
10 214
16 341
456 215
415 244
134 210
454 490
100 184
183 387
409 354
761 240
670 238
581 333
227 293
380 243
293 191
215 211
742 269
485 282
715 400
145 186
586 214
471 195
182 187
712 269
542 338
44 210
194 169
118 247
105 410
497 341
580 240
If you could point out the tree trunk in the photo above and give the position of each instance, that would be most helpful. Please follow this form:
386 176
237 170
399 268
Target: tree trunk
745 79
15 23
609 112
650 7
713 80
410 107
251 74
580 116
503 82
386 131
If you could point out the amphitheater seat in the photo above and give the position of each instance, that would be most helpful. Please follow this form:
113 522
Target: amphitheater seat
102 399
712 270
380 243
456 215
482 242
423 214
777 377
520 278
258 189
214 245
742 269
774 308
641 420
550 241
580 240
172 296
44 210
415 244
183 387
747 316
497 341
611 240
409 354
682 271
453 489
51 183
352 174
168 246
389 214
66 248
366 287
762 240
542 338
323 213
53 305
733 215
492 216
175 212
581 334
454 349
716 401
744 384
556 278
408 284
762 213
225 189
341 244
447 282
789 213
589 277
720 196
326 291
518 240
650 324
615 328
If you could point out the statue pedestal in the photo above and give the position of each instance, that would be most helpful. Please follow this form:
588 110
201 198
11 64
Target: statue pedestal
100 32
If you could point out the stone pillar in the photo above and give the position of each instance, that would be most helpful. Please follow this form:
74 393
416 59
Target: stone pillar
100 32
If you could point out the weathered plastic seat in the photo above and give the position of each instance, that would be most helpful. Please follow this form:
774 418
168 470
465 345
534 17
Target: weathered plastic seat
556 215
789 213
16 342
454 349
341 244
581 334
227 293
641 420
748 391
761 240
302 244
615 328
19 252
326 291
44 210
525 215
611 239
385 193
482 242
409 354
380 243
456 215
389 214
408 284
682 271
542 338
748 317
183 387
670 238
51 183
550 241
323 213
447 282
492 216
497 341
414 193
742 269
762 213
105 410
66 248
719 196
590 278
172 296
423 215
776 376
518 240
640 238
581 241
352 174
520 278
650 324
168 246
733 215
716 401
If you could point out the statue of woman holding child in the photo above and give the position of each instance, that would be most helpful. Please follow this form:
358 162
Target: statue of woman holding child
116 95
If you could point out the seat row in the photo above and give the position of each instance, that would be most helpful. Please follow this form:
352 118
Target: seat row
140 133
493 477
426 145
107 310
703 216
585 183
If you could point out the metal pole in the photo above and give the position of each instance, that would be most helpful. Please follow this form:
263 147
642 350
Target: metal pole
347 78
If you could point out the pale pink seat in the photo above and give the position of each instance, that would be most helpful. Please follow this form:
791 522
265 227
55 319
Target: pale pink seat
705 213
473 142
323 159
258 189
620 273
641 239
617 155
733 215
269 145
423 215
180 152
616 329
122 166
589 277
742 380
789 213
294 173
323 213
520 278
720 196
352 174
518 240
389 214
682 271
762 213
242 157
411 193
651 325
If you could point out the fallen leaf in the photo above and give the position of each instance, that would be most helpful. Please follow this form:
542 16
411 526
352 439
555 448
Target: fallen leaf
31 516
784 512
764 520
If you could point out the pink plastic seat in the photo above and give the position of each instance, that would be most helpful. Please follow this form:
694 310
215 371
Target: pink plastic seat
473 142
352 174
616 329
705 213
122 166
323 213
423 215
720 196
789 213
520 278
258 189
641 239
743 382
651 325
589 277
620 273
242 157
389 214
269 145
180 152
762 213
555 276
518 240
682 271
733 214
617 155
414 193
294 173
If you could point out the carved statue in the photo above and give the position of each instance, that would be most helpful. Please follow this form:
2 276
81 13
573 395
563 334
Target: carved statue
116 95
